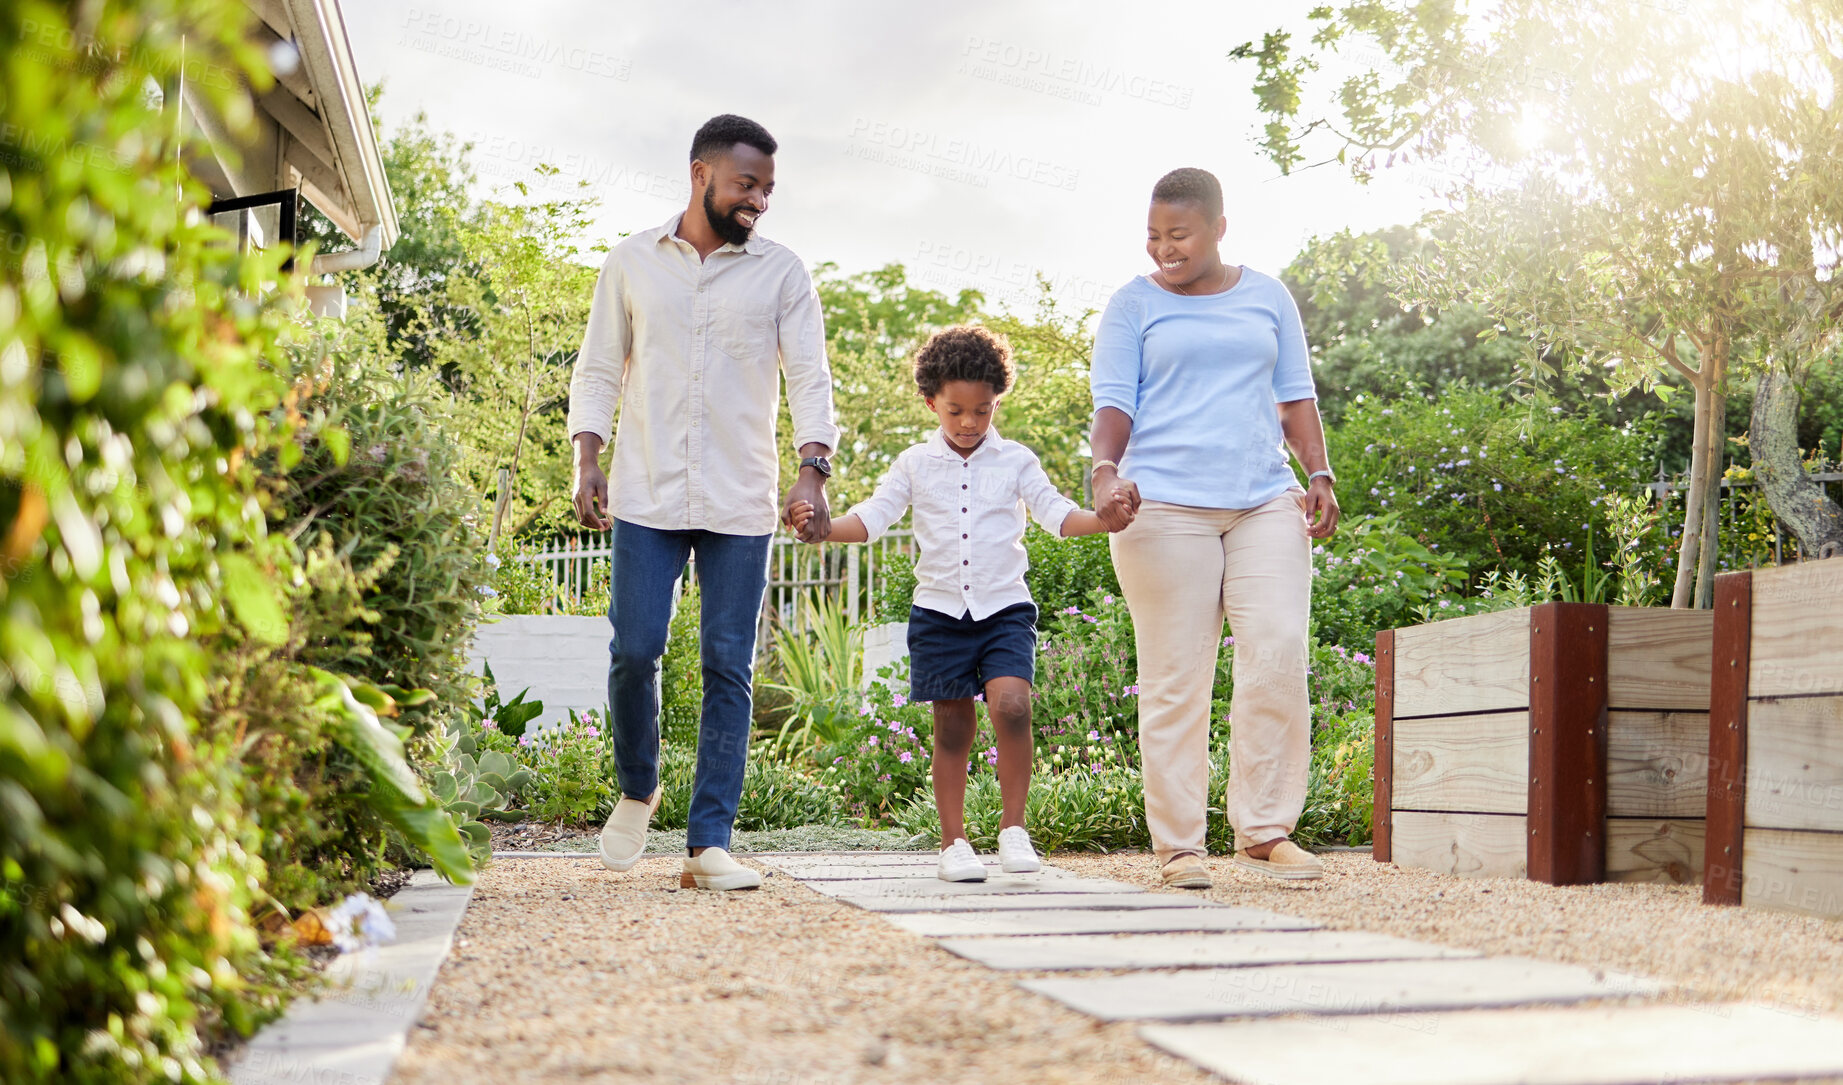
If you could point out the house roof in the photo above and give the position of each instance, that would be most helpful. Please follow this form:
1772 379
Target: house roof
314 125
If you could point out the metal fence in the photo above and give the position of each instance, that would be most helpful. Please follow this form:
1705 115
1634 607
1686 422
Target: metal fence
1664 485
850 572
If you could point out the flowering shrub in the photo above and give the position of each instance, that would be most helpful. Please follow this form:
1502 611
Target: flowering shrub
885 758
1086 697
571 762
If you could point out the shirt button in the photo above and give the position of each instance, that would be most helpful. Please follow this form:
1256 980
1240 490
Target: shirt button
963 534
963 485
966 587
962 510
966 563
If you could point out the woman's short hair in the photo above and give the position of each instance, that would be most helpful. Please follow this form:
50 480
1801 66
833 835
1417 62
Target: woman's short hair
963 353
1191 185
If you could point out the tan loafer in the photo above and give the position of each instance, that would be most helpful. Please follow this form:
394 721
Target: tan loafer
714 869
1287 861
1185 871
624 836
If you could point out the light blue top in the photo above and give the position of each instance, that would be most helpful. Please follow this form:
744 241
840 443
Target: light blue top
1199 377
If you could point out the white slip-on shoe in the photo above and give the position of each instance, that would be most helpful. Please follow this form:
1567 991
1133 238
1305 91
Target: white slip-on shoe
1015 855
1287 862
624 836
960 864
714 869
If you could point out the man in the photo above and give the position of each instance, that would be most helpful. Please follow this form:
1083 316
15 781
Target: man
692 325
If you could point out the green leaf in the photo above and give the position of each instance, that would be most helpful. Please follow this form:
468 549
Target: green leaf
253 599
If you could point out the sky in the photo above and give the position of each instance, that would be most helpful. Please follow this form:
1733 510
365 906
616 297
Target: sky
978 144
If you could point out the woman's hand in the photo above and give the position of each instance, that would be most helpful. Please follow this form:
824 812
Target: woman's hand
1116 500
1321 510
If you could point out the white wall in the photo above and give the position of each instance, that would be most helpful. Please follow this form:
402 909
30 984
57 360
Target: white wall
562 659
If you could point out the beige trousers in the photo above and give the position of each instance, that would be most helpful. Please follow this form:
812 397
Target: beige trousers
1183 570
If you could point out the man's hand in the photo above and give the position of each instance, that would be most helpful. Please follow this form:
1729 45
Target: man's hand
800 515
809 490
1321 510
590 492
1116 500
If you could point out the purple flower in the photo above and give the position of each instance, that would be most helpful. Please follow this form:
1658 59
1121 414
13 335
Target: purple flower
491 725
1361 658
906 757
1094 736
1132 691
1107 599
524 740
899 700
595 732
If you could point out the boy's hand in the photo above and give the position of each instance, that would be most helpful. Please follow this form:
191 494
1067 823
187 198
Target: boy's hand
1126 513
799 515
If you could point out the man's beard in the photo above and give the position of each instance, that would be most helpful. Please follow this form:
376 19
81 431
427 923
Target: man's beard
726 226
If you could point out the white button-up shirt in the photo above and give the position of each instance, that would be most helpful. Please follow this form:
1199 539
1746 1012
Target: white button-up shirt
969 520
692 352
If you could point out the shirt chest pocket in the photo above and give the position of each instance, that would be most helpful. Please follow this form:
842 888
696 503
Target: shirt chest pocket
994 489
745 331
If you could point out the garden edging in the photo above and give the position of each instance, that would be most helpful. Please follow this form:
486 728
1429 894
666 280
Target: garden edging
354 1031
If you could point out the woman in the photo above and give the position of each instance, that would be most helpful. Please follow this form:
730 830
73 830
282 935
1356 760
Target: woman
1200 372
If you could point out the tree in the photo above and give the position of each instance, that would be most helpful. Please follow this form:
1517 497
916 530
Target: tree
1649 199
506 338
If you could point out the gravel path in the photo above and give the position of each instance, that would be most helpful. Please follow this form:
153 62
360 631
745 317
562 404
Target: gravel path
563 971
1662 931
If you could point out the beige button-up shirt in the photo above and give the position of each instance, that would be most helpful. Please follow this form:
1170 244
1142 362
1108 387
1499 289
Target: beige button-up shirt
969 520
691 352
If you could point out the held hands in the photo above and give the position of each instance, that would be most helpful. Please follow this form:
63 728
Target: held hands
800 516
1116 500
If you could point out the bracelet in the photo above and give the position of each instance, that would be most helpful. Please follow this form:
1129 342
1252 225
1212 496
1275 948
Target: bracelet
1314 476
1103 463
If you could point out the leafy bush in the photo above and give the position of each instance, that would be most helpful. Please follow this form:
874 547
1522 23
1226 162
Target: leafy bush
572 771
821 669
388 495
775 794
1086 675
895 586
681 681
1066 573
1479 480
520 584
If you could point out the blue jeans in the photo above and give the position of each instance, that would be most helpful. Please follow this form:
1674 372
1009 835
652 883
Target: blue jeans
732 575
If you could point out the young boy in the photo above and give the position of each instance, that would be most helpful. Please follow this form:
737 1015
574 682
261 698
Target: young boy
972 627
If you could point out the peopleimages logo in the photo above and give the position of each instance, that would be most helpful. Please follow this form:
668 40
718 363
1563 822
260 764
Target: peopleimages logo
912 147
504 48
1047 72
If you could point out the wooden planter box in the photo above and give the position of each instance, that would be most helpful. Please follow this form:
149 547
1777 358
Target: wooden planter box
1566 742
1775 835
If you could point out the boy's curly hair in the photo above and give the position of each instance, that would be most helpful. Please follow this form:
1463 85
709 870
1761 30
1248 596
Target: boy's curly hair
964 353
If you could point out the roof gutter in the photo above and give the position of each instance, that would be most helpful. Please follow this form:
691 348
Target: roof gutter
371 246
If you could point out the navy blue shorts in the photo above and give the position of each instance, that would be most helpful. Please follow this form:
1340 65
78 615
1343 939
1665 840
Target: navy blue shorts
951 658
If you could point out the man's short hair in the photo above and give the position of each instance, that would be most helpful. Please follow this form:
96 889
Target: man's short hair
967 352
1193 186
724 131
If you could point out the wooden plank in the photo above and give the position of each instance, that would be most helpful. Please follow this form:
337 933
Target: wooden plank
1657 764
1797 630
1567 743
1791 870
1474 664
1467 845
1384 771
1795 763
1642 850
1464 764
1728 671
1658 658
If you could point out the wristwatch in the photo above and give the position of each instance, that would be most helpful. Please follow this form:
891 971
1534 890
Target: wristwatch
819 464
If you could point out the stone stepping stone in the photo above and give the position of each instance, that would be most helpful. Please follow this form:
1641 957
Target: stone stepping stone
1369 987
1097 921
994 885
855 858
1018 901
894 871
1233 950
1601 1045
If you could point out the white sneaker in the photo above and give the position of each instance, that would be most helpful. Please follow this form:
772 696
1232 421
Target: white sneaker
714 869
959 864
623 838
1015 855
